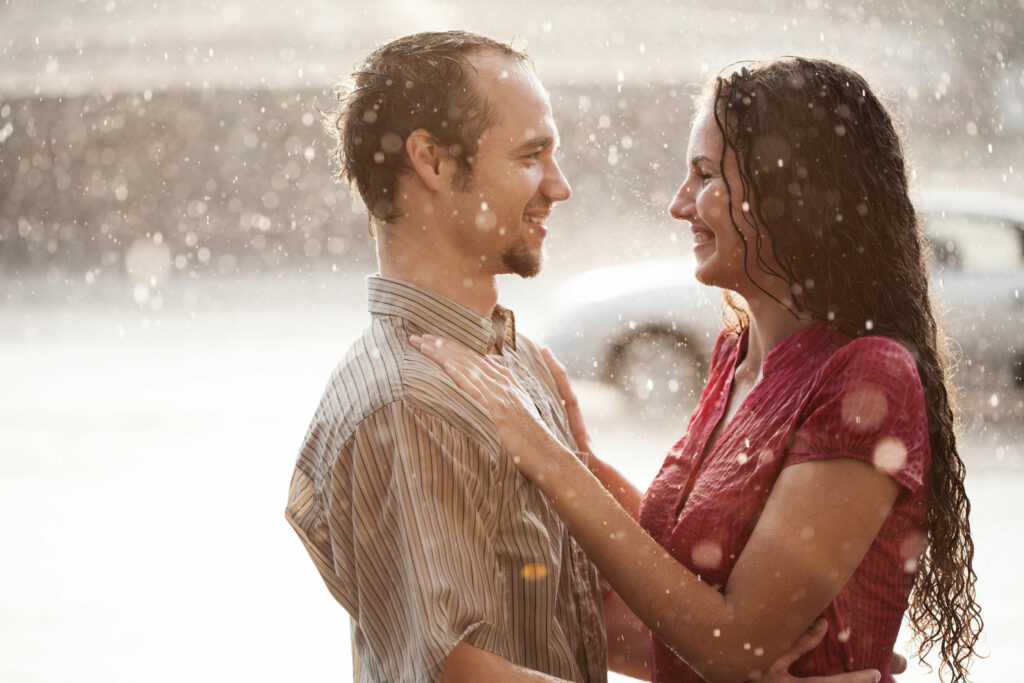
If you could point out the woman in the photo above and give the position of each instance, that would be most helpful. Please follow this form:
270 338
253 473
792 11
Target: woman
819 474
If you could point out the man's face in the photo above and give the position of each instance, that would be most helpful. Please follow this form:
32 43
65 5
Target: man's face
499 218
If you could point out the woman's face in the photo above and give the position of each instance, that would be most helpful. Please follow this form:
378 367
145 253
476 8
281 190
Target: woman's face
703 201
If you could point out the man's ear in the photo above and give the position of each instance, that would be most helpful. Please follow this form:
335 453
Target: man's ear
427 157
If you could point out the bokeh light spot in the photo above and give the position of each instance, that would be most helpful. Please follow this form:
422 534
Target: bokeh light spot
864 407
534 571
890 455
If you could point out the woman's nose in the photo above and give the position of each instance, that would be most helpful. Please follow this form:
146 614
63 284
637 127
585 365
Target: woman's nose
682 206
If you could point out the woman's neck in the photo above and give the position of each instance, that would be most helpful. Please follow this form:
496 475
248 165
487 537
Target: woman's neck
770 323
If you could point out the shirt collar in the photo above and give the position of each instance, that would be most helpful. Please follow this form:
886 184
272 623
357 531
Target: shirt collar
434 314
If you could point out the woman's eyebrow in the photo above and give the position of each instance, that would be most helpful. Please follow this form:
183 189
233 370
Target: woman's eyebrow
699 158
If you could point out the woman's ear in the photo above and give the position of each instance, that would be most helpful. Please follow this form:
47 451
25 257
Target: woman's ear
426 156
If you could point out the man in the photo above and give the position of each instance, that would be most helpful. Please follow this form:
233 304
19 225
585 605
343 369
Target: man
450 563
421 528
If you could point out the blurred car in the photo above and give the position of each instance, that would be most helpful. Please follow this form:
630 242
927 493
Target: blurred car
649 327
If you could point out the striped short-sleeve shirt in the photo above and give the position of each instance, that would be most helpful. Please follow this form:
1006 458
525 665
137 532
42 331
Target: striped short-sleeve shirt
416 518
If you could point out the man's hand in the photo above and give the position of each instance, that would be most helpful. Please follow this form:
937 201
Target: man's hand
778 672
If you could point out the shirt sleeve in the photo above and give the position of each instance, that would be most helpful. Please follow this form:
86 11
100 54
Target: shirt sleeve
410 515
869 406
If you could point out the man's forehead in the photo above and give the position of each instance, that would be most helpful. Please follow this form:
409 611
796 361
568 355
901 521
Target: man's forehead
496 65
516 95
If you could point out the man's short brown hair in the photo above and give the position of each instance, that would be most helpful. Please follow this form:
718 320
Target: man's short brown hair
419 81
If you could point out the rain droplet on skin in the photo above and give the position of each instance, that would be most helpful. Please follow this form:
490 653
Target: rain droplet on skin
486 221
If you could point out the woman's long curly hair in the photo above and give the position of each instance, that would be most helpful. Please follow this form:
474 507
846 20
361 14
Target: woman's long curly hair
822 171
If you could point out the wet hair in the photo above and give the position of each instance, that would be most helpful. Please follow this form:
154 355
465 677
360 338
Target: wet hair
421 81
822 171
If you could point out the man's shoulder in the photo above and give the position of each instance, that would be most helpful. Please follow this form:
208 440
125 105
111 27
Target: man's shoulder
382 370
368 377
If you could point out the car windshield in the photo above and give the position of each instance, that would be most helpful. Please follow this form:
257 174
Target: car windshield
975 244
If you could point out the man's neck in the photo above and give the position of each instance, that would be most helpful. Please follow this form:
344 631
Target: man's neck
433 267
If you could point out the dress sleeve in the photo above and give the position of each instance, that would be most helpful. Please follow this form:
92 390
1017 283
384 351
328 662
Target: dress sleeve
410 515
868 405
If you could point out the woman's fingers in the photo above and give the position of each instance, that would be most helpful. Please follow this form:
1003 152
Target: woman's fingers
804 644
465 382
569 400
441 350
491 384
494 387
779 670
462 368
560 376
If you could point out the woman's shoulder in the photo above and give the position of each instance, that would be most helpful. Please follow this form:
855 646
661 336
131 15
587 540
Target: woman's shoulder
867 403
873 357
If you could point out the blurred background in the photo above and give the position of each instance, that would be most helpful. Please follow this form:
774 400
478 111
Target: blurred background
179 273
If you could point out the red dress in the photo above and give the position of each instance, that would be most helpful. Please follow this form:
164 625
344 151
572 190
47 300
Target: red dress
822 396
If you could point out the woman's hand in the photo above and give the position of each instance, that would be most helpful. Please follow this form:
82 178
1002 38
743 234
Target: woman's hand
624 492
569 401
519 425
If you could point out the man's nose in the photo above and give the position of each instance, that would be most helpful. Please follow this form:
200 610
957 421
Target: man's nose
556 187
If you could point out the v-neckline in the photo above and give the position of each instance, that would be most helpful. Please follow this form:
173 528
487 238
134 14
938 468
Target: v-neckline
708 446
723 406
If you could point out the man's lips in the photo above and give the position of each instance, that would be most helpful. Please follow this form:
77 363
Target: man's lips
535 222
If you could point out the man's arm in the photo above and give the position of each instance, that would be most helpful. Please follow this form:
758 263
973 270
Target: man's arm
468 664
419 495
629 641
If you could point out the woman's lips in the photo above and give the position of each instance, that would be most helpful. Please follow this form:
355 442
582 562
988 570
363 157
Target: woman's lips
702 237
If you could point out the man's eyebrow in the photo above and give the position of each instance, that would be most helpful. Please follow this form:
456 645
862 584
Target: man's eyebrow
539 142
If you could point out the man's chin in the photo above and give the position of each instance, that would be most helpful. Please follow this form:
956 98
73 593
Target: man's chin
519 260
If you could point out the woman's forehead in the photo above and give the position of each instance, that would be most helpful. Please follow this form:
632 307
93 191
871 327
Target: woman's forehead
705 137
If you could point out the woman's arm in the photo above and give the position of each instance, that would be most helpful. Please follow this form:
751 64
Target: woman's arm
621 489
818 522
